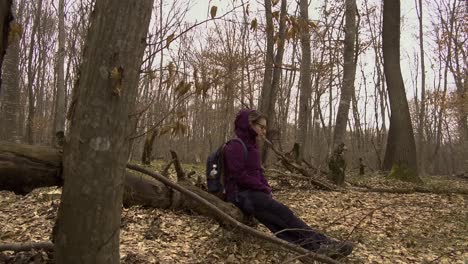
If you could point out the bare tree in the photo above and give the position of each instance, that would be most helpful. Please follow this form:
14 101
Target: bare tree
59 119
422 102
95 155
453 22
269 59
31 74
400 155
305 88
270 89
347 91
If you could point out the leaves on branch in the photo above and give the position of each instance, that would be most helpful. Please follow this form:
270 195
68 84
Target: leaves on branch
213 11
253 24
175 128
169 40
181 114
182 88
275 15
312 24
171 74
152 75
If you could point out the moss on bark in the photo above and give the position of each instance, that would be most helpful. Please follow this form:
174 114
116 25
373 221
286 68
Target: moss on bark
403 173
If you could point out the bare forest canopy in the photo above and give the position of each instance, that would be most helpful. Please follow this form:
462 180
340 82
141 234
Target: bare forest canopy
204 60
92 87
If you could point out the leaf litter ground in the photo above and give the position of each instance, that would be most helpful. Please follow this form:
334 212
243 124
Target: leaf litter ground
386 227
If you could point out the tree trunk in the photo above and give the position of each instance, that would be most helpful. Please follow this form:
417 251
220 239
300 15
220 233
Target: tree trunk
5 18
147 155
98 147
59 119
422 109
270 104
305 88
347 90
31 75
270 90
10 86
400 155
24 168
269 59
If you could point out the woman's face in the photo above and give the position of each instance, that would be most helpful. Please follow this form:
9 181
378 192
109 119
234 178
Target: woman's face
260 127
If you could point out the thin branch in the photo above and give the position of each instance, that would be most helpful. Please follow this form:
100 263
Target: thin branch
157 124
187 30
323 185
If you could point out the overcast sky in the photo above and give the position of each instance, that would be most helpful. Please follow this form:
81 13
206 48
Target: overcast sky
409 35
409 26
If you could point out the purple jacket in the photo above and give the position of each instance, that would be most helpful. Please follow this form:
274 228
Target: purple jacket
242 174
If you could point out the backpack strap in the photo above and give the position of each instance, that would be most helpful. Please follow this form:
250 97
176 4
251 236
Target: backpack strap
246 153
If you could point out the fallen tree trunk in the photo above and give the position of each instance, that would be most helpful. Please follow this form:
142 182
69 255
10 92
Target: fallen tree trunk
416 189
18 162
24 168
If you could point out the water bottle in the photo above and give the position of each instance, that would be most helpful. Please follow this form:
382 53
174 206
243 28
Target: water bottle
213 172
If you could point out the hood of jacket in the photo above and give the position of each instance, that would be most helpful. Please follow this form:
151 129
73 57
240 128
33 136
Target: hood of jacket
242 127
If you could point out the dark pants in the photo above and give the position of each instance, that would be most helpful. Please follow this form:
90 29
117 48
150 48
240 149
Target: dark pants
279 219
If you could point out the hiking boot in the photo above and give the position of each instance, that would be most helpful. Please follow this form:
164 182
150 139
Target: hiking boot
336 249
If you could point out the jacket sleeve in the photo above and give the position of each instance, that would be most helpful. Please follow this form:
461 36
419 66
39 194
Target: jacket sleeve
236 165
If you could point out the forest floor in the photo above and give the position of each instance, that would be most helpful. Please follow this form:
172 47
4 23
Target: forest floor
386 227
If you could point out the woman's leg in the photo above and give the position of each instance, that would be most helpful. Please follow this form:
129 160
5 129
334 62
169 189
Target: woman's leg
279 219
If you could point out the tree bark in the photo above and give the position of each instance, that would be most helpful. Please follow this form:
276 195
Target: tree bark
273 70
422 108
269 59
347 90
147 155
10 86
349 73
400 155
26 167
305 88
5 18
278 67
31 75
59 119
95 156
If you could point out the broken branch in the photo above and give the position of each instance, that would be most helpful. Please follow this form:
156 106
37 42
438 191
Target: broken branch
16 247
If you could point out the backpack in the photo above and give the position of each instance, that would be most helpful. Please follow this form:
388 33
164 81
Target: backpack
215 183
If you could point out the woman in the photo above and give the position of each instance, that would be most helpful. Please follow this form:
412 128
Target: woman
248 189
